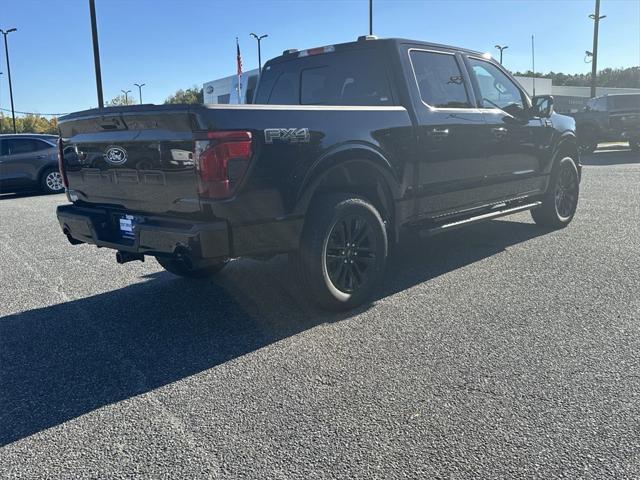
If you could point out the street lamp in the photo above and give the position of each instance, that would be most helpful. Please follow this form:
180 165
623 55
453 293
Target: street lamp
596 17
126 96
259 39
140 85
6 50
501 48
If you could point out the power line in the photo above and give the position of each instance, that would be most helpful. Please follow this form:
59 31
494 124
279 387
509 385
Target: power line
35 113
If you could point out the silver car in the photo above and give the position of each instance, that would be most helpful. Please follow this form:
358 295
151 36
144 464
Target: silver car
29 161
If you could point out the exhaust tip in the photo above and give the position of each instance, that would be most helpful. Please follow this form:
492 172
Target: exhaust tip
125 257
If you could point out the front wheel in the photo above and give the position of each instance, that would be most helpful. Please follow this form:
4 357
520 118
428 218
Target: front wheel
343 251
634 145
185 268
561 200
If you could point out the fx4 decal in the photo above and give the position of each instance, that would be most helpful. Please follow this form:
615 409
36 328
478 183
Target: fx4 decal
286 135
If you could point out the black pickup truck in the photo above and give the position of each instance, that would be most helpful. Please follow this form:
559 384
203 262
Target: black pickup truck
346 147
609 118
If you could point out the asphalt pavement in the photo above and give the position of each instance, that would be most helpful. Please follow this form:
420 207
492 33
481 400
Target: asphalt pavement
500 351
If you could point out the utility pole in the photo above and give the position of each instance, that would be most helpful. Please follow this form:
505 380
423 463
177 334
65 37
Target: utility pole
140 85
126 96
370 17
6 51
594 64
501 48
96 52
259 39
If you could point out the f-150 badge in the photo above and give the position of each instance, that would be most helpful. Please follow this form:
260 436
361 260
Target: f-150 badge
286 135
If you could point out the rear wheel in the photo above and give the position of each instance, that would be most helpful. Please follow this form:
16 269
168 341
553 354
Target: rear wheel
561 200
51 181
343 251
185 268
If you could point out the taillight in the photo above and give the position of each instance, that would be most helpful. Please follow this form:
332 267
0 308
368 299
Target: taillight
63 172
222 158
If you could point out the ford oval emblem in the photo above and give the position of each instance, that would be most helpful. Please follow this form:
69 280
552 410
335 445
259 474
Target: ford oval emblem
115 155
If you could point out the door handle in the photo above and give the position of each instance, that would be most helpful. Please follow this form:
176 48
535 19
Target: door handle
500 132
439 133
39 157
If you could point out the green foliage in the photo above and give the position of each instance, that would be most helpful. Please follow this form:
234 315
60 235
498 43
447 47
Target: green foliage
29 124
190 95
121 99
608 77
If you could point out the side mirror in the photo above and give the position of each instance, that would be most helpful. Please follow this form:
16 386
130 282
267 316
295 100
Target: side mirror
542 106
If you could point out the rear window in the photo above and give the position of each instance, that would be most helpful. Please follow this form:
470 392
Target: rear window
26 145
355 78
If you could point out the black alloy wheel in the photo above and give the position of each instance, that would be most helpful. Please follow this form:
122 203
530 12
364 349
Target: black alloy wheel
350 253
560 202
343 251
566 192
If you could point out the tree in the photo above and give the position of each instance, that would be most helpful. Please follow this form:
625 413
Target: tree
121 99
609 77
30 123
190 95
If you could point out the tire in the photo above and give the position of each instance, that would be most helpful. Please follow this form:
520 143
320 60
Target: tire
634 145
51 181
184 268
561 200
343 251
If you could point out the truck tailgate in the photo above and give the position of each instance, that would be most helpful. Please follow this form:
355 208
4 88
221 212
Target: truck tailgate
138 158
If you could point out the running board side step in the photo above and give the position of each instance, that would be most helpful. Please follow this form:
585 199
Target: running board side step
428 232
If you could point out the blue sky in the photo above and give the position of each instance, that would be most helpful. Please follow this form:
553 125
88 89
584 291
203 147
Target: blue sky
171 44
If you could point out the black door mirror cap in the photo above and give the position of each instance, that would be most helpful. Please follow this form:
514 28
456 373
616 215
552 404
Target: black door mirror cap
542 106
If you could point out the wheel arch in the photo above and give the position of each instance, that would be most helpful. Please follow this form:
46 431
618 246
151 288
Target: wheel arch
354 168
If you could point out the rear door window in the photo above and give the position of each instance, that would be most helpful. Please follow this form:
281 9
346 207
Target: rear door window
440 79
19 146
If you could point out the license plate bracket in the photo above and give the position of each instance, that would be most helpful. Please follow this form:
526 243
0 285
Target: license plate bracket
127 226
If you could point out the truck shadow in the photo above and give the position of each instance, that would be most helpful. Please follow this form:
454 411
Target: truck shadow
65 360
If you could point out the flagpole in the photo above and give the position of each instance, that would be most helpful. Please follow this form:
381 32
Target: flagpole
239 61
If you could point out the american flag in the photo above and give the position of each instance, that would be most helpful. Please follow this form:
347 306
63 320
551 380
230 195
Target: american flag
239 61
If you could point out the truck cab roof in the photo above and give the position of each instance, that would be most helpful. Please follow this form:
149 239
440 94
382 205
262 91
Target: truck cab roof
364 42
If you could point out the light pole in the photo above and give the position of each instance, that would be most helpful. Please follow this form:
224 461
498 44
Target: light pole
140 85
594 64
259 39
6 51
126 96
370 17
96 52
501 48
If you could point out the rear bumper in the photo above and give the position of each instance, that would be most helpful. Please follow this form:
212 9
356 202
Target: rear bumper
157 235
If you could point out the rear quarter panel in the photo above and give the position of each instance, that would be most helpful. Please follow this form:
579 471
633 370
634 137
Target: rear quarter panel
281 169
